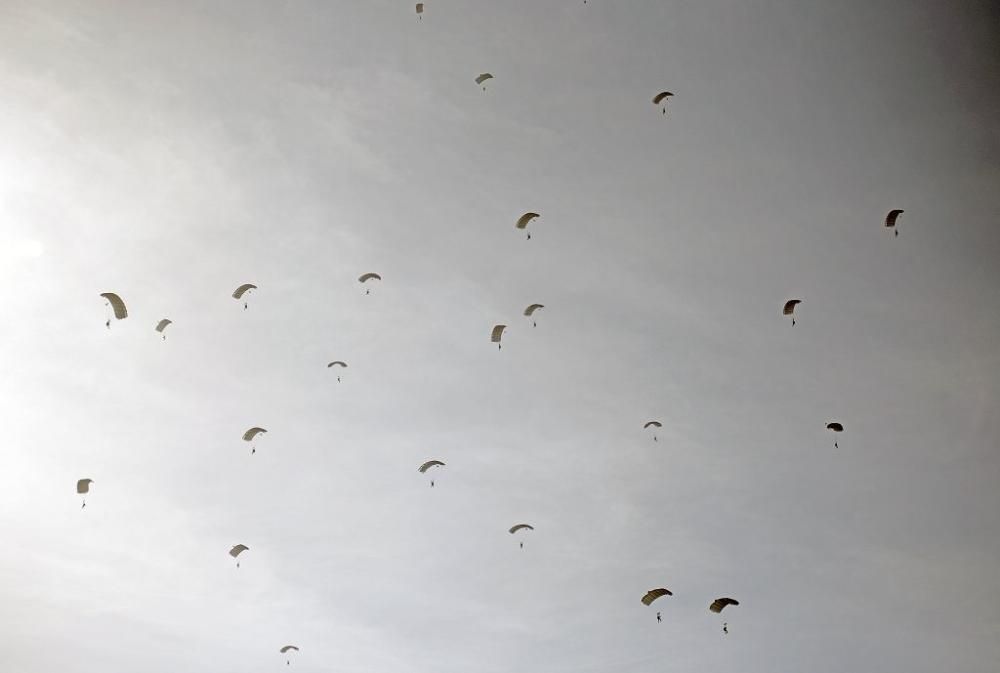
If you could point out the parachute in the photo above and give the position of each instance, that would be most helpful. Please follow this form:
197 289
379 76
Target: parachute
653 424
482 78
719 603
521 526
497 333
531 310
890 220
522 222
429 464
653 594
117 305
249 436
285 649
365 277
242 290
162 325
339 363
789 308
420 10
83 488
236 551
837 428
662 97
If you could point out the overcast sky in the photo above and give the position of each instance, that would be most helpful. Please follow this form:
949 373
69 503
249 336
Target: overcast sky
171 151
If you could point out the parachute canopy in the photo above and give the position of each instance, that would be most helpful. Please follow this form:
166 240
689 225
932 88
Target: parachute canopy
483 77
117 304
339 363
531 309
162 325
653 594
836 427
83 485
420 8
522 221
514 529
237 550
790 306
365 277
655 424
429 464
251 433
241 290
497 333
660 96
289 647
719 603
890 219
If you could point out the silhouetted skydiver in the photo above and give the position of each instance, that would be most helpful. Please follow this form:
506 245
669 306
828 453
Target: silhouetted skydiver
244 306
108 323
658 618
432 483
522 545
725 627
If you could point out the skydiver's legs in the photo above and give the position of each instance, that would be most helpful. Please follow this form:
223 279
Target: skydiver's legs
658 618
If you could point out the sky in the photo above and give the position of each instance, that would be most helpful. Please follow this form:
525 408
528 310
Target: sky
171 151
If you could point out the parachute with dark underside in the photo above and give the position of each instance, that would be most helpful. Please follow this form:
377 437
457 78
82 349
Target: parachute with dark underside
890 220
653 594
836 428
652 424
236 551
522 222
162 325
530 311
337 363
117 306
286 649
428 465
520 526
365 277
719 604
249 436
789 308
83 488
242 290
497 334
482 78
662 98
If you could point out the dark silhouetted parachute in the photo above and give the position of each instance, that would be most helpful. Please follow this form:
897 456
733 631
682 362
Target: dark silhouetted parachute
242 290
837 428
482 78
890 220
162 325
720 603
522 222
662 98
338 363
789 308
236 551
652 424
520 526
365 277
286 649
117 305
83 488
530 311
429 464
497 333
249 436
420 10
653 594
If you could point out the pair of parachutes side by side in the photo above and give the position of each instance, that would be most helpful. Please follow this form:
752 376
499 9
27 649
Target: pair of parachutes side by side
496 334
718 605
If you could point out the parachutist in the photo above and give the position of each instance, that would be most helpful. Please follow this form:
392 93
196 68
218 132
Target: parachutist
84 504
658 618
522 545
529 235
725 627
107 323
338 379
432 483
244 306
896 233
253 451
793 322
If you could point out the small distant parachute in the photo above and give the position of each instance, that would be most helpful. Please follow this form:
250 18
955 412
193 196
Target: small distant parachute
83 488
661 98
162 325
117 305
237 550
338 363
719 603
521 526
242 290
522 222
420 10
497 333
652 424
429 464
653 594
531 310
365 277
789 308
249 436
286 649
890 220
837 428
482 78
